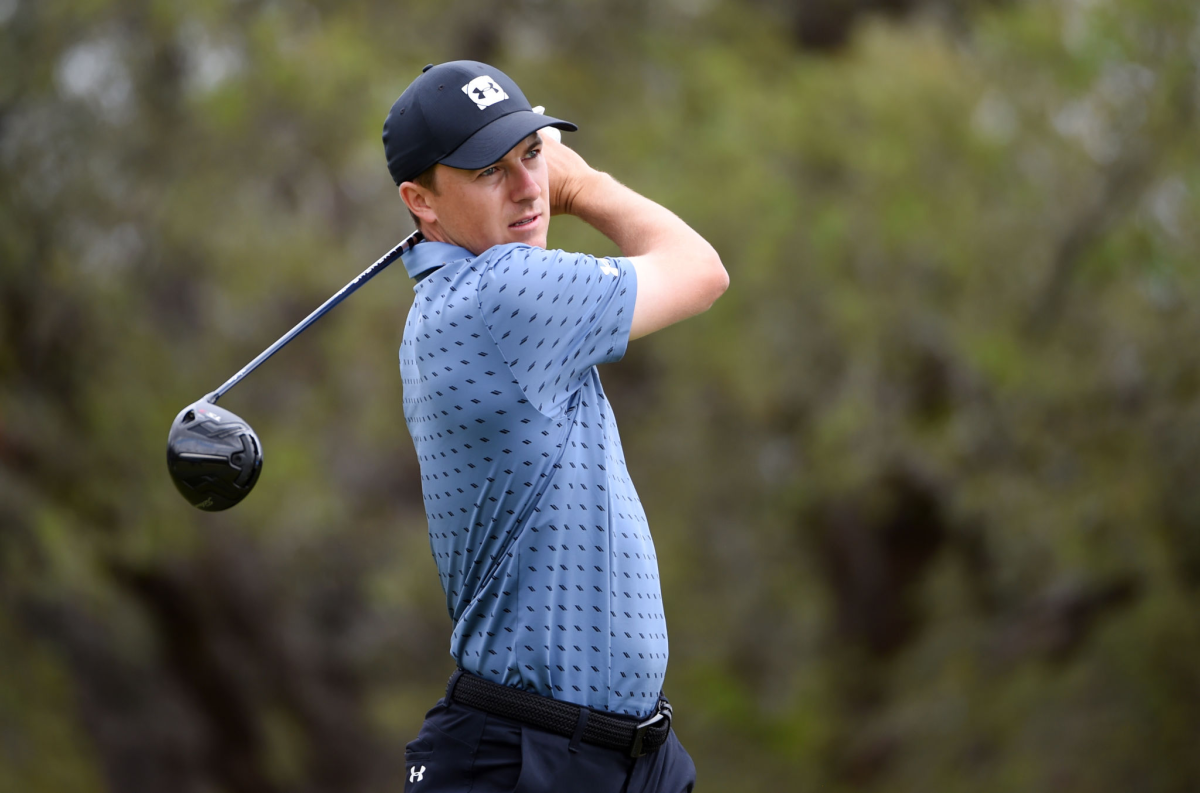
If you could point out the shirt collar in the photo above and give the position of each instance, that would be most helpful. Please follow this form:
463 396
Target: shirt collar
429 255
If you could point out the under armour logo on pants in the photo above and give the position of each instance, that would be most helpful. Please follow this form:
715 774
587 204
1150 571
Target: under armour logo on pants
416 774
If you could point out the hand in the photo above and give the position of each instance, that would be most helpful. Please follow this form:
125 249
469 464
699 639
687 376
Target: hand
569 175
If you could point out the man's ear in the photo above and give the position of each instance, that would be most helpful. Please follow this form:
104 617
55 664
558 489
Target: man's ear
415 197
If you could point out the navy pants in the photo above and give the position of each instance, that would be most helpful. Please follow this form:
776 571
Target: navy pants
461 750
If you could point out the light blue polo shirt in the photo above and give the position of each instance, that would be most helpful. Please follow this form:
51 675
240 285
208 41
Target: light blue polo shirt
540 539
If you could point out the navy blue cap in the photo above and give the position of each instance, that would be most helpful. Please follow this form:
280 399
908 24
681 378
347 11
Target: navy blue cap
464 114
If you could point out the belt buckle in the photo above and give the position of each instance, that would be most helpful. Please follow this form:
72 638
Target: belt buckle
639 734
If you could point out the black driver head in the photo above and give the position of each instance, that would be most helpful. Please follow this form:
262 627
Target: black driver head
213 456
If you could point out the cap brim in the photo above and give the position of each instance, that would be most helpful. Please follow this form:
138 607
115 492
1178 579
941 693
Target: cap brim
491 143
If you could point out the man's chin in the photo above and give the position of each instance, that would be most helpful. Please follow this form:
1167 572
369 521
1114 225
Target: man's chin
537 240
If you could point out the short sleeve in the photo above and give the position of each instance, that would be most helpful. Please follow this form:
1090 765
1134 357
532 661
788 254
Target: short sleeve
554 315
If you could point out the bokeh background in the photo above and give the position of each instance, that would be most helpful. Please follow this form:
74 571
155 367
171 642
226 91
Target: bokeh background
923 482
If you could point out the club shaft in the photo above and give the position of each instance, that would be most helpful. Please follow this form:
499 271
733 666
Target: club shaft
323 309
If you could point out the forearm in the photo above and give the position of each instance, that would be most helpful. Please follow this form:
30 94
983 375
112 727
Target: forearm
679 274
637 225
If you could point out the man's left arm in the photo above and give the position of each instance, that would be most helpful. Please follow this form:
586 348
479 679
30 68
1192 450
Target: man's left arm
679 274
554 315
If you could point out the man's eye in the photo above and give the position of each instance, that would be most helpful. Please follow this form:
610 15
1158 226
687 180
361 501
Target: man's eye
488 171
532 153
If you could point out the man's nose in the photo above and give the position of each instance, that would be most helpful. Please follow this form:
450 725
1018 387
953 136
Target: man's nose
526 187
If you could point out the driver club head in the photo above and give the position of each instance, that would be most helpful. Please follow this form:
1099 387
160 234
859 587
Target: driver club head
213 455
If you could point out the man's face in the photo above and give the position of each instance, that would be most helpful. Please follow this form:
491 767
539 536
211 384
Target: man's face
507 201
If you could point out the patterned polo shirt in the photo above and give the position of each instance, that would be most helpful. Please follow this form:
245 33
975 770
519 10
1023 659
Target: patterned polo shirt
540 539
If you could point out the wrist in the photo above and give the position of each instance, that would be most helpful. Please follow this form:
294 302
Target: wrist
588 193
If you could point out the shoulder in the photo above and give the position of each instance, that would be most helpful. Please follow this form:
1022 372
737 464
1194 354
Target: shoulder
507 255
518 261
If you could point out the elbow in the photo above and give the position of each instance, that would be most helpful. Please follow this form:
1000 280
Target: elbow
721 278
717 278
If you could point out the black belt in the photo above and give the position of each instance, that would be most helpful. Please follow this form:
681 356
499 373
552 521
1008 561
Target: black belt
623 733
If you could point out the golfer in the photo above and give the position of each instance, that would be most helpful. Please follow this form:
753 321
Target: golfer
540 540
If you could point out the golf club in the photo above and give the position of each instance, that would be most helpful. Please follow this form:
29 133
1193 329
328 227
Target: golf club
213 455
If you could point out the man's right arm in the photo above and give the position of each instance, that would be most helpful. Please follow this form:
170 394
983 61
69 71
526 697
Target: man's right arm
679 274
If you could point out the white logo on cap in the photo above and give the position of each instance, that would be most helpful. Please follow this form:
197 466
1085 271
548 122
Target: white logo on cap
484 92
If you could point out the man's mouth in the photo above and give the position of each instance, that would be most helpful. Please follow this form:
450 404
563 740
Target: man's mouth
524 222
